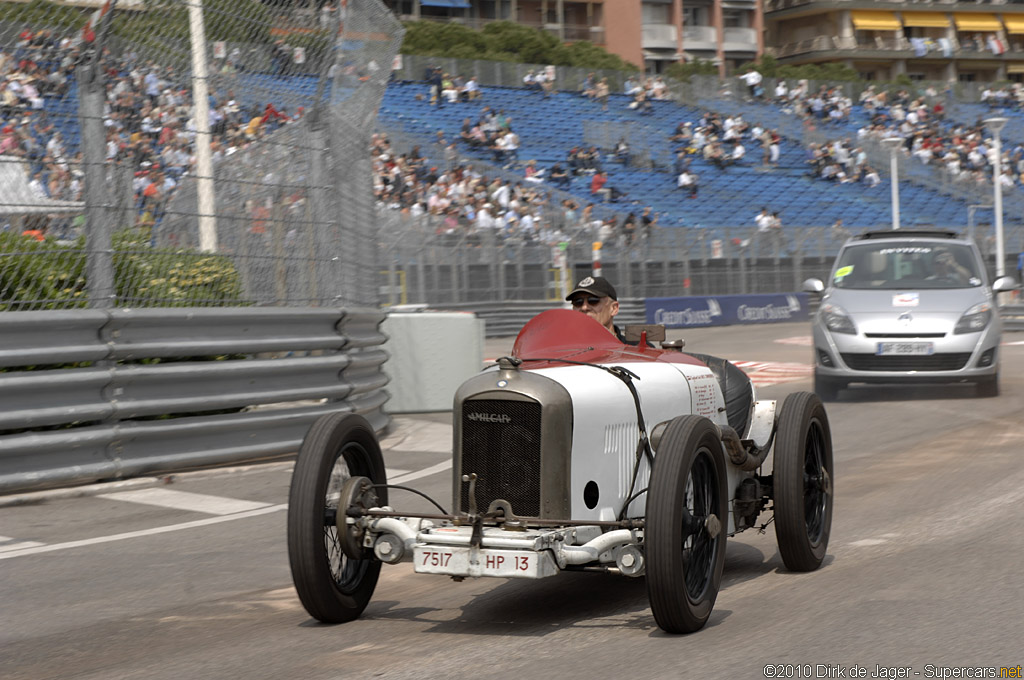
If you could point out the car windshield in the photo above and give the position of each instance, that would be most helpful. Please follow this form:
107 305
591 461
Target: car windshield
884 265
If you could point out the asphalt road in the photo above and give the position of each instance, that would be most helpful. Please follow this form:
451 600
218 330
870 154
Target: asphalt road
923 571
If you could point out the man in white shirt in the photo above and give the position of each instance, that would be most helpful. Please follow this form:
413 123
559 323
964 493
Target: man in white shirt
752 79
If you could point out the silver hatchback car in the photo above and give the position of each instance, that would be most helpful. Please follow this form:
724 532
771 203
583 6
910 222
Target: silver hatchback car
907 306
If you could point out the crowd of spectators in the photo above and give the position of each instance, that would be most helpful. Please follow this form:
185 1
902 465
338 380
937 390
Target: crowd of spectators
469 203
962 152
148 121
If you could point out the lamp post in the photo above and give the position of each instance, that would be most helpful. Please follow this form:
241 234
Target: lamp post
892 144
995 126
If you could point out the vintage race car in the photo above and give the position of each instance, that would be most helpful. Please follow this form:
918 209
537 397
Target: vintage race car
574 453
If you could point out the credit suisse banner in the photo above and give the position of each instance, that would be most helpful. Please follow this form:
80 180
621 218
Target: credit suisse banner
726 310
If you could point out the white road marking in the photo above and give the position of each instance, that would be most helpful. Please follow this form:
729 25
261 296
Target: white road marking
802 340
141 533
7 544
395 472
763 373
426 472
864 542
185 500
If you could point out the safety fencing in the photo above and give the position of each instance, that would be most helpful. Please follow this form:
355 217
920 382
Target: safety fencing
89 395
423 263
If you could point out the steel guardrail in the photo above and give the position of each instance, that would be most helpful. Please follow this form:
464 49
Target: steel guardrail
89 395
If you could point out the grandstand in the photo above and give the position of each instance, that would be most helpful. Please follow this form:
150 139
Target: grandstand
549 127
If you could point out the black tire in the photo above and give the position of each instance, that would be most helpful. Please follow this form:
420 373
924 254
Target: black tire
684 534
802 482
332 587
827 389
989 387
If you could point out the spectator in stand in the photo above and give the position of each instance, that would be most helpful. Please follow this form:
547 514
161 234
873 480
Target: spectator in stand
559 176
597 185
687 181
601 92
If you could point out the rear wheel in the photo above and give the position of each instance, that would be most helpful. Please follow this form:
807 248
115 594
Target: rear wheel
684 535
802 482
331 586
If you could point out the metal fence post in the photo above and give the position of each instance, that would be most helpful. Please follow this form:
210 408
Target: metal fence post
99 262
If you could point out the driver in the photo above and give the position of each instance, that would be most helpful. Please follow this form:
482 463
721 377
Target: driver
595 296
946 268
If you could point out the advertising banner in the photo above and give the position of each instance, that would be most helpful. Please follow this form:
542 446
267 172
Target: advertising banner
726 310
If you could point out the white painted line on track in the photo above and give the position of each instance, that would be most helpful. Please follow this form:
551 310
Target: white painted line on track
142 533
394 473
7 544
425 472
185 500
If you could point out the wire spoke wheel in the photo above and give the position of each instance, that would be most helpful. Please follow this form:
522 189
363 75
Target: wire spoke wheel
332 586
684 539
802 482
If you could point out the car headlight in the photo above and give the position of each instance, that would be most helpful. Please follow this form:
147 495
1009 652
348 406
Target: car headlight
974 319
837 320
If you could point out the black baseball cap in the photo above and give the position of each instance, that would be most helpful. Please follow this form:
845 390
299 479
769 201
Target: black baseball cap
595 285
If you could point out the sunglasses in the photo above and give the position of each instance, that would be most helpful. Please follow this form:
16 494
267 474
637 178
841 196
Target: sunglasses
591 300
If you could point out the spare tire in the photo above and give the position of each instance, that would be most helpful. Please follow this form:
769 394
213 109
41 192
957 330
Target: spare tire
736 388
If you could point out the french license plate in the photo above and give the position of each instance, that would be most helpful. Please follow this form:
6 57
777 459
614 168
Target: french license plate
459 561
905 349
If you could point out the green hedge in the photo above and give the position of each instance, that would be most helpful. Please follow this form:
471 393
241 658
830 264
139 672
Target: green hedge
47 275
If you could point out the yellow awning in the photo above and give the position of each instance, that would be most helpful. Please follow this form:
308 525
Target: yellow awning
1014 23
976 22
874 21
926 19
1015 68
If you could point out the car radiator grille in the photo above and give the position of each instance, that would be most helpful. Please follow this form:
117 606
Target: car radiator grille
934 362
504 452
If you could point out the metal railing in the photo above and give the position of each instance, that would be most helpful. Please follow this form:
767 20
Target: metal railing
90 395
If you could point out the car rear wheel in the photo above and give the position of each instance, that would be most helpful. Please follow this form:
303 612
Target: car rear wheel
331 586
684 534
802 482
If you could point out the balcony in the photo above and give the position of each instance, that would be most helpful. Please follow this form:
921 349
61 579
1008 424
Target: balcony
739 40
699 38
885 48
659 36
571 32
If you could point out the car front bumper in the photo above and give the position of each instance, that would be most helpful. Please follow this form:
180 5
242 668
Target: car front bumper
969 357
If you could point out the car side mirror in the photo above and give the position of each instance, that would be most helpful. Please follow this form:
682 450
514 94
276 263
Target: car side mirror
1004 284
814 286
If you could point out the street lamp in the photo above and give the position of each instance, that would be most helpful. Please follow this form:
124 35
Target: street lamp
995 126
893 143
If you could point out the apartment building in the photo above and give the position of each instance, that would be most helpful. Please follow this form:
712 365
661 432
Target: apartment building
939 40
648 33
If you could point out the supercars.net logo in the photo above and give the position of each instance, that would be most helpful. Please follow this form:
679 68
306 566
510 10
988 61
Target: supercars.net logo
489 417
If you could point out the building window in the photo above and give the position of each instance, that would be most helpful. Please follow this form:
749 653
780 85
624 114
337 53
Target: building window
966 77
695 16
736 18
656 14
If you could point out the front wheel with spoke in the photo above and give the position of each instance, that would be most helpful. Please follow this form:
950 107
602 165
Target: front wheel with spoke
684 533
331 586
802 481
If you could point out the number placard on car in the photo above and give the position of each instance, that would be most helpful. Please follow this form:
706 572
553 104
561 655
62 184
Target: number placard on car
905 349
459 561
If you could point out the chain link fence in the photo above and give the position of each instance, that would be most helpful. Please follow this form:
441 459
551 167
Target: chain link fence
427 263
203 152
